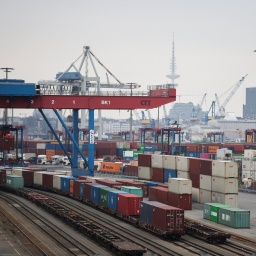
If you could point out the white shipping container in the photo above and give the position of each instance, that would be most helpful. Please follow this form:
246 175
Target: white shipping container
126 145
223 153
93 179
180 185
247 174
157 161
119 144
145 173
205 182
248 165
249 153
226 169
128 153
184 175
182 163
205 196
38 178
228 199
40 145
17 171
195 194
169 162
225 185
56 181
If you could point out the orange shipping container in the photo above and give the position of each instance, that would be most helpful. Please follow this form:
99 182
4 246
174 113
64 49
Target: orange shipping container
49 154
213 149
71 186
110 167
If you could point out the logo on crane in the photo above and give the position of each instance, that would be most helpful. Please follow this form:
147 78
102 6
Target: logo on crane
145 102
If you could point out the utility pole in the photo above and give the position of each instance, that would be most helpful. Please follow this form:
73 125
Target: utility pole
5 114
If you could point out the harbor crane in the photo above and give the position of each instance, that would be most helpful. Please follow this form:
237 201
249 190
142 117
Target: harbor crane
196 110
221 108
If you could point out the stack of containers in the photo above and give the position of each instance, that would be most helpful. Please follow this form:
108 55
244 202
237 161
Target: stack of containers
211 211
132 190
180 193
225 182
249 164
14 181
157 167
182 164
144 167
170 167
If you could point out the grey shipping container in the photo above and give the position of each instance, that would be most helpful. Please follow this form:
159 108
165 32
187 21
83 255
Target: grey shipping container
234 217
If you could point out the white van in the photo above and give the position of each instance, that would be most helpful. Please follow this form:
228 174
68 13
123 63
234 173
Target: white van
65 160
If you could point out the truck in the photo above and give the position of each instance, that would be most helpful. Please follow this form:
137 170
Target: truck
41 159
56 159
65 161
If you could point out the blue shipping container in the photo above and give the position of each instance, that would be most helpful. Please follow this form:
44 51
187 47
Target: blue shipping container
95 192
168 173
113 198
150 148
65 182
146 210
82 190
16 89
193 154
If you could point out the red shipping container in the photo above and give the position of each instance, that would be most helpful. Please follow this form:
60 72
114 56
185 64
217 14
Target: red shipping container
203 148
134 145
48 180
36 169
2 177
131 170
76 187
206 167
194 165
182 201
129 204
195 178
164 185
144 160
28 176
87 190
168 218
109 183
192 148
124 182
83 177
158 174
159 194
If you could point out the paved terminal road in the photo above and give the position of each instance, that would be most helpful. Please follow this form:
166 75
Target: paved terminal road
246 201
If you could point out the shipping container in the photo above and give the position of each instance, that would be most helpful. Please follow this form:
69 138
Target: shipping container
195 195
144 173
195 165
228 199
104 195
113 198
205 182
14 181
56 183
28 176
129 204
146 211
144 160
180 186
215 211
195 178
168 218
95 193
206 167
112 167
2 177
157 161
182 163
139 184
181 174
182 201
207 210
205 196
132 190
159 194
168 173
226 169
234 217
225 185
169 162
158 174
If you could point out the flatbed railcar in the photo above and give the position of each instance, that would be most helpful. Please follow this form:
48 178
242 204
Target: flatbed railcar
207 233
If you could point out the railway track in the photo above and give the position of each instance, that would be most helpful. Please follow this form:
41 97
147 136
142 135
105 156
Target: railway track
60 235
186 246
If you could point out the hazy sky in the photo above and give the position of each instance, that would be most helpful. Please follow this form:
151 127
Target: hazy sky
214 42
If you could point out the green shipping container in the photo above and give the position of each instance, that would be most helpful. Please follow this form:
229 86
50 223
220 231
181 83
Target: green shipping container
234 217
132 190
215 211
14 181
207 210
104 195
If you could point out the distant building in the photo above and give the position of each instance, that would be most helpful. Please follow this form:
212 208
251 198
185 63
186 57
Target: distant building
181 111
249 109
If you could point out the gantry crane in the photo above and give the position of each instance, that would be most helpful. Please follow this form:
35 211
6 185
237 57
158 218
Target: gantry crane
196 110
221 108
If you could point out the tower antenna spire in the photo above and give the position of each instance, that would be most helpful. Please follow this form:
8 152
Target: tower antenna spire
7 70
173 76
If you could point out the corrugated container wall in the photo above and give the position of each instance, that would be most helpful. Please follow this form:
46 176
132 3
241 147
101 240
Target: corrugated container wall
226 169
180 186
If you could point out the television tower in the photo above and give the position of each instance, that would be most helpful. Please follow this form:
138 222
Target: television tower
173 76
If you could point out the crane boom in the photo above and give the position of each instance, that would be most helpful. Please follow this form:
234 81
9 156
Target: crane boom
237 85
